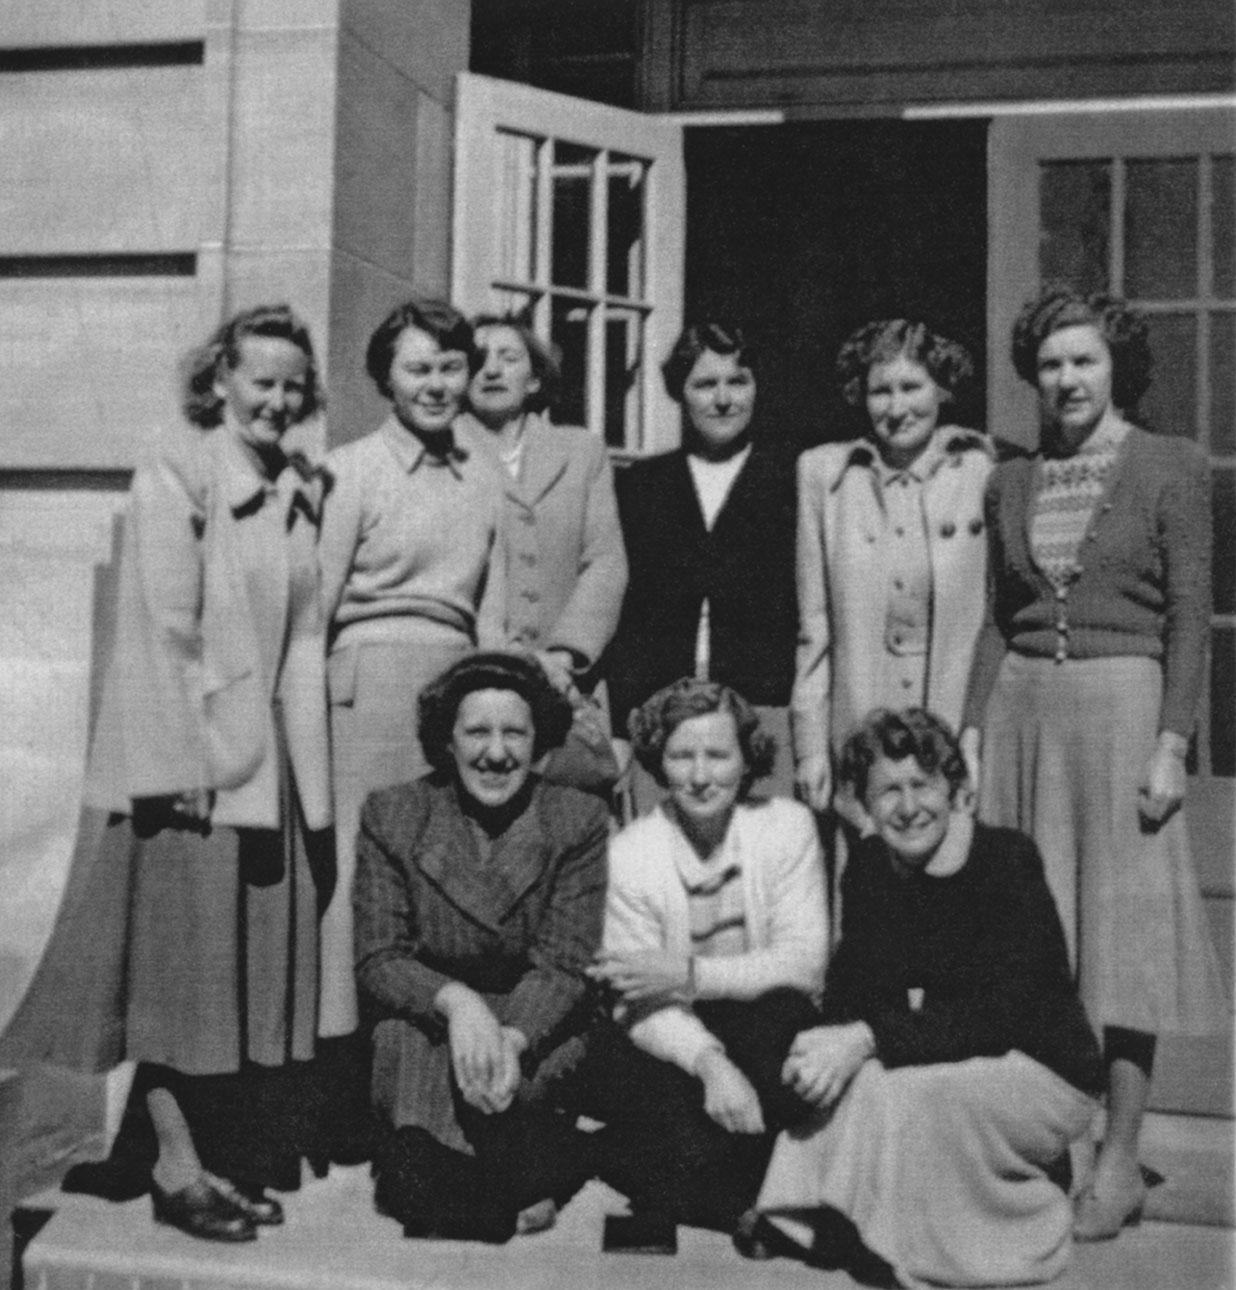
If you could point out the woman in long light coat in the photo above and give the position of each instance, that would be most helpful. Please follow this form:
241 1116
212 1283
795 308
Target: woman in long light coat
212 755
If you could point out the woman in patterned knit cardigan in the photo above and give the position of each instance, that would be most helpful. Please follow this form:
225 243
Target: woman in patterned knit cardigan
1085 685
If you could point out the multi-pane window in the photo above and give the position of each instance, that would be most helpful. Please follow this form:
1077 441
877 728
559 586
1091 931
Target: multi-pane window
561 213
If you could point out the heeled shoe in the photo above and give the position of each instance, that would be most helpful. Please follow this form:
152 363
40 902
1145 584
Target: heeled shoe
198 1210
1099 1218
262 1209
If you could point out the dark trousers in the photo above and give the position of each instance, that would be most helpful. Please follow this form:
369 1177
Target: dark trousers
522 1156
659 1147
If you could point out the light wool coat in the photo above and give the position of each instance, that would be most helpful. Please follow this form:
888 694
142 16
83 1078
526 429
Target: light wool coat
844 571
206 641
776 846
566 566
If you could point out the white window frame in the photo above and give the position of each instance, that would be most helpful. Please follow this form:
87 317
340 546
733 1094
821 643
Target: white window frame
487 108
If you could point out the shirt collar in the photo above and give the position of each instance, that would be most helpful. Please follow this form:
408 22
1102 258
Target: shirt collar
411 452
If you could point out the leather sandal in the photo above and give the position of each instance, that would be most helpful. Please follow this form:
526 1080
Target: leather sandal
199 1210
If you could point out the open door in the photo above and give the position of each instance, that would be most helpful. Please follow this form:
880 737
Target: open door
574 211
1144 204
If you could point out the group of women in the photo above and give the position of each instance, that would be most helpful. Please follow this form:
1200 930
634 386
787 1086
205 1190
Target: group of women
847 1026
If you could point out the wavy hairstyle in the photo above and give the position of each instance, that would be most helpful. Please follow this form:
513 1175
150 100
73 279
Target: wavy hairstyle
439 320
652 723
947 363
203 365
701 338
438 703
542 354
1123 328
913 732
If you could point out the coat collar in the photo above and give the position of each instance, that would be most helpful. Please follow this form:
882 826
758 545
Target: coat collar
947 444
450 858
301 486
546 456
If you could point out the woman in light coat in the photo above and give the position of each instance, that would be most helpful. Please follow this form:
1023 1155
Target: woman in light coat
212 754
566 566
891 549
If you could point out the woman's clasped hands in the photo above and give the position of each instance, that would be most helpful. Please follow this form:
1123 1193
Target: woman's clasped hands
484 1053
822 1061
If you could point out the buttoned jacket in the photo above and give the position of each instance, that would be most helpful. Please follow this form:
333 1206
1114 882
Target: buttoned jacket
844 568
566 565
208 638
518 927
776 847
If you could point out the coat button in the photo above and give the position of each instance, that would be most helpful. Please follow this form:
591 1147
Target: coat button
976 527
948 528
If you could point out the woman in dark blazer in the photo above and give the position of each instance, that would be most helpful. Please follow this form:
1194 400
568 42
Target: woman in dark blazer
709 531
478 901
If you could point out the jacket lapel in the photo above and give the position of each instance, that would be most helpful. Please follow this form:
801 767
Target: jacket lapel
545 459
451 861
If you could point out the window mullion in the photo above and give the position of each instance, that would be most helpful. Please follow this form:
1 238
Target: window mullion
597 282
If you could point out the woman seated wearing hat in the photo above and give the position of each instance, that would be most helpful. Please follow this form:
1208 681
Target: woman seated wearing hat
715 944
479 898
955 1064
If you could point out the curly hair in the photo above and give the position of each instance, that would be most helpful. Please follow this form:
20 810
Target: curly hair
442 322
913 732
438 703
544 356
947 363
652 723
203 365
701 338
1123 328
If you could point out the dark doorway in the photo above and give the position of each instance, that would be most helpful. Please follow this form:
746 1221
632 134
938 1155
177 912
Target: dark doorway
806 231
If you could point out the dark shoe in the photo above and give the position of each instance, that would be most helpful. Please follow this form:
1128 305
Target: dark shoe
201 1211
261 1209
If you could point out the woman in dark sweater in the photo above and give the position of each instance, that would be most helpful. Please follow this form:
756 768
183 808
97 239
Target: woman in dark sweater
1085 688
955 1063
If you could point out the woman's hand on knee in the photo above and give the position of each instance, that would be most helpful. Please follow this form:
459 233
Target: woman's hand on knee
729 1099
478 1050
822 1061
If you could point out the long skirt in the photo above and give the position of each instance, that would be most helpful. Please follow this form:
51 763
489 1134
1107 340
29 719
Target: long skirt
1065 748
376 673
941 1168
195 956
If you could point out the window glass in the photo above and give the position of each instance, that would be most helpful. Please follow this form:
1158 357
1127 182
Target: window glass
1161 229
625 212
572 219
1170 405
1075 202
1223 224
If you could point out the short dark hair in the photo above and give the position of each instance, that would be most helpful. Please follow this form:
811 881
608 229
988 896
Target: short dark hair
1123 328
914 732
437 319
947 363
543 355
701 338
652 723
203 366
438 704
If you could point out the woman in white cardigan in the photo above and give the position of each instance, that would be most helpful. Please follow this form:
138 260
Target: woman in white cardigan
714 946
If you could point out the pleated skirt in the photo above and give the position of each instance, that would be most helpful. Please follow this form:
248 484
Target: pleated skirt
941 1168
376 673
1065 748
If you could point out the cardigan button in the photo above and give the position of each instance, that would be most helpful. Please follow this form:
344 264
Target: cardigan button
976 527
948 528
